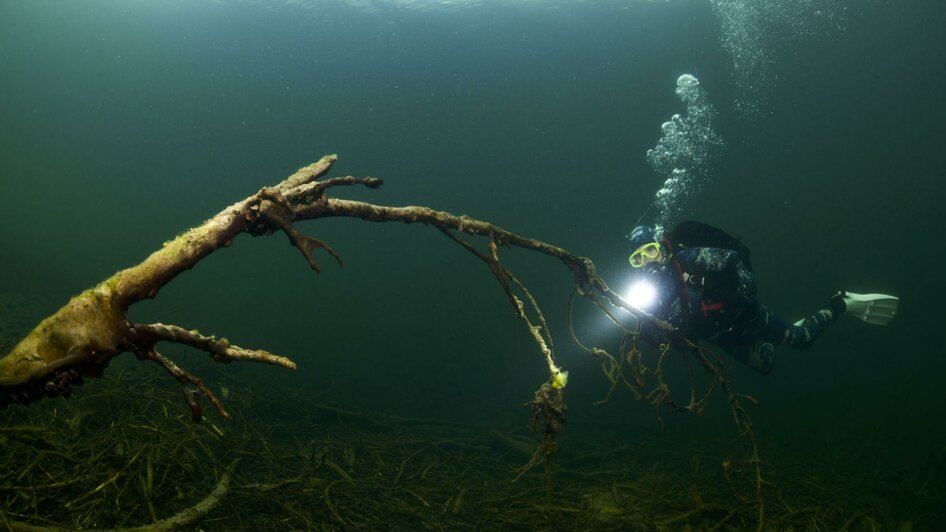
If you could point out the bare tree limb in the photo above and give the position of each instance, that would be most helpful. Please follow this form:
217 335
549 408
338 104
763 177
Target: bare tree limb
82 337
220 350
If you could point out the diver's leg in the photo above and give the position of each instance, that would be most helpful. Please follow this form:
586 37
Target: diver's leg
744 341
757 354
778 331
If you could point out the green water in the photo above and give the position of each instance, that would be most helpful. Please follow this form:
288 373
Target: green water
124 123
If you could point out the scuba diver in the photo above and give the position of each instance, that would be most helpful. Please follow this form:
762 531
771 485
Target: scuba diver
699 279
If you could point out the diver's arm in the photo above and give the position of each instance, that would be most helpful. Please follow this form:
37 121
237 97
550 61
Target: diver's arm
744 278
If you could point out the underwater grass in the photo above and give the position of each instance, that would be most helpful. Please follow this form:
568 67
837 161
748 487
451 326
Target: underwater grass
125 454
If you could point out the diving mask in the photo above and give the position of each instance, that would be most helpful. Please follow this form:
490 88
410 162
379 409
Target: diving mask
647 253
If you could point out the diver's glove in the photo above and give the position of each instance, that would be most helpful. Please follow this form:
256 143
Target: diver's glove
761 357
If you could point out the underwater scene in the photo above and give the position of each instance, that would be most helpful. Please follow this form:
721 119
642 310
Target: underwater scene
645 265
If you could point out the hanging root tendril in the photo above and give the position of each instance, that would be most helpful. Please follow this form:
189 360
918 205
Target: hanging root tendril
548 417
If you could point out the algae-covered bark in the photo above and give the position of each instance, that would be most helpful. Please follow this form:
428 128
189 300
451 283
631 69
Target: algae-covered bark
82 337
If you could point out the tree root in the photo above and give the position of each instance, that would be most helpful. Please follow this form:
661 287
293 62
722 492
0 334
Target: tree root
183 519
548 416
179 521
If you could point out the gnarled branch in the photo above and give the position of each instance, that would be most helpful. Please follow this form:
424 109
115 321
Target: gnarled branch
82 337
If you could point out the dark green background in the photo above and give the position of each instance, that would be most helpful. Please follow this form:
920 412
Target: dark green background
124 123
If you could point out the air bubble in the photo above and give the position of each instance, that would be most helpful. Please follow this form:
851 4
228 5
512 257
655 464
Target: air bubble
687 144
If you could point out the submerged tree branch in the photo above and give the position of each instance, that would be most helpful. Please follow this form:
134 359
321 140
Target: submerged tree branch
82 337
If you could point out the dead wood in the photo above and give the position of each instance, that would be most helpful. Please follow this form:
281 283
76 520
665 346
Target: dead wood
83 336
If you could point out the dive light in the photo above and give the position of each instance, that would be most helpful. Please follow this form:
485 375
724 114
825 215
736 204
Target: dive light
641 294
